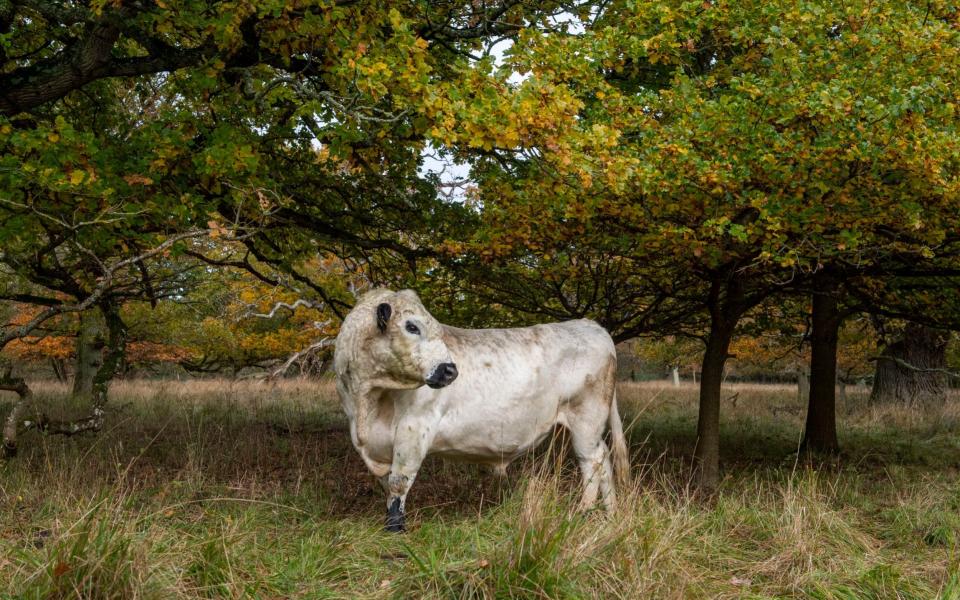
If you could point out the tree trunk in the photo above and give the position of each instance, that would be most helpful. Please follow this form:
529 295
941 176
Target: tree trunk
59 369
17 385
707 454
726 305
90 344
115 352
107 333
842 393
820 432
94 388
675 371
912 370
803 385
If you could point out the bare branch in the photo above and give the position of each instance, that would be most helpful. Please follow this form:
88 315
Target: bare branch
106 216
279 305
299 357
904 364
92 422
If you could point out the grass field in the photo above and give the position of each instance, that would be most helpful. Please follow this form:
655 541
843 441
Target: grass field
241 489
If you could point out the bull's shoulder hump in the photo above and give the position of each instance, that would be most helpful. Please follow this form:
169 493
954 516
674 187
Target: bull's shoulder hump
586 325
589 328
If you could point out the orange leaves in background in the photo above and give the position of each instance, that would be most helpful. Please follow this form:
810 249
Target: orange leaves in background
142 353
41 348
38 349
58 344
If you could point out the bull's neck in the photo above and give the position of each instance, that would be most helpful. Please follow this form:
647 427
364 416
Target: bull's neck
367 397
374 388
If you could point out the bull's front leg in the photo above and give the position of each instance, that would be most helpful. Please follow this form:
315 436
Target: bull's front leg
410 447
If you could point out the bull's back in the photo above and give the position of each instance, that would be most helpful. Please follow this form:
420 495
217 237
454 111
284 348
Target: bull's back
514 382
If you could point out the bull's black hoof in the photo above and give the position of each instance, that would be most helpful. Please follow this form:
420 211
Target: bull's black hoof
395 518
394 527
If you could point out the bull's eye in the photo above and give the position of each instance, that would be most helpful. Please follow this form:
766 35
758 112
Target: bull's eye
413 328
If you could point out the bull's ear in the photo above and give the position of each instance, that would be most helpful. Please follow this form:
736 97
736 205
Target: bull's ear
383 315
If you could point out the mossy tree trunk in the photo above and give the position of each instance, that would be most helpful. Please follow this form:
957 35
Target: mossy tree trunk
112 357
100 355
91 340
17 385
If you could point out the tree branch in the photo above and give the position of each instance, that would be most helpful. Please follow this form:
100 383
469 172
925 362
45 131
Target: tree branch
104 284
299 356
904 364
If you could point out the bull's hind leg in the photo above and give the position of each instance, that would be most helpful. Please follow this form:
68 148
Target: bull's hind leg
595 468
587 421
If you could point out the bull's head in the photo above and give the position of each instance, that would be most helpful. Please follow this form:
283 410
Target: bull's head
411 342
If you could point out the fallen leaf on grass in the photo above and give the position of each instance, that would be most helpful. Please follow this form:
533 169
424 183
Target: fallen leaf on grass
60 569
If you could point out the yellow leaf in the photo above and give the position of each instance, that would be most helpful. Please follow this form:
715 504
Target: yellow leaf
76 176
53 137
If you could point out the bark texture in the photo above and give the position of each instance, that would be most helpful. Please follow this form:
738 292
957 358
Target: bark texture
100 353
17 385
707 454
112 362
727 304
803 385
59 368
820 431
91 340
912 370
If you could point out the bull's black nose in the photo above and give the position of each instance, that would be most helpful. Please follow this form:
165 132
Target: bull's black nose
450 371
443 375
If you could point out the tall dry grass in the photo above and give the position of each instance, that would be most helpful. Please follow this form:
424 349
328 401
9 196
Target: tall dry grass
221 489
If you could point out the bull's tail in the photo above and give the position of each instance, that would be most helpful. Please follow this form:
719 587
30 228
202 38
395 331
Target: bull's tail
620 454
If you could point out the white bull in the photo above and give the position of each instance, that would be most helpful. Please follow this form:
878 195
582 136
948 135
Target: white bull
411 386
